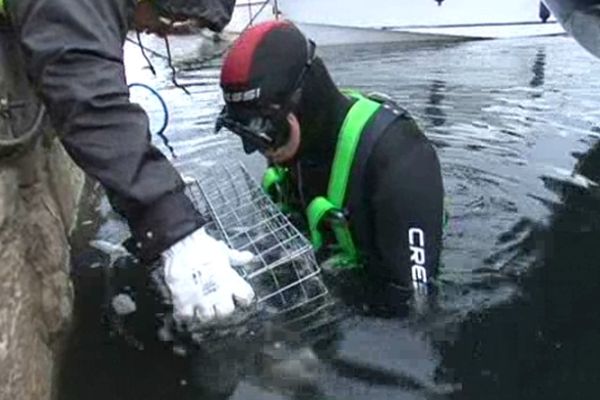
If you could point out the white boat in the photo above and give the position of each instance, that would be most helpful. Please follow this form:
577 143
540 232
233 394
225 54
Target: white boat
331 22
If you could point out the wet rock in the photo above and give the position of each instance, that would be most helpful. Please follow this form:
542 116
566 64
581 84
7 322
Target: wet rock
38 198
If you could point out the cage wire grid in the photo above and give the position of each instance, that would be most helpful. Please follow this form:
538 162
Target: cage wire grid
284 273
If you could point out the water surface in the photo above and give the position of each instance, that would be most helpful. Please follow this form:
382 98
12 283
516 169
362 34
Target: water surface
516 124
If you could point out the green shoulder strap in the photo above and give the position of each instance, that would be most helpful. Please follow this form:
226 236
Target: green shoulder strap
2 10
354 124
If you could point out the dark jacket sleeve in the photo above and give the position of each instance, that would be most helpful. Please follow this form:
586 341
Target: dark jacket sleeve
74 55
406 203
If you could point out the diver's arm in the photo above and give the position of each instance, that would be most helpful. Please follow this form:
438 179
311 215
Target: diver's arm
407 206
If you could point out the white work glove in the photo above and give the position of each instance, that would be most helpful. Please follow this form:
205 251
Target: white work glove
203 284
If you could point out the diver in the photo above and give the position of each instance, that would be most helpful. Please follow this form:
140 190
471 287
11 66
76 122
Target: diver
353 170
72 53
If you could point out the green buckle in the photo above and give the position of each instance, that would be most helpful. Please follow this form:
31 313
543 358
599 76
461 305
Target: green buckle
316 211
273 176
319 208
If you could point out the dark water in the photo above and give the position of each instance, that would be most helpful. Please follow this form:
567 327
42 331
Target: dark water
516 124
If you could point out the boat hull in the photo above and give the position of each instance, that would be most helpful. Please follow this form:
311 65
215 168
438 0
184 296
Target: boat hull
339 35
359 21
336 22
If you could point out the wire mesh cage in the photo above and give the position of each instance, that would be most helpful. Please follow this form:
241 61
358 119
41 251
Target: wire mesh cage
284 274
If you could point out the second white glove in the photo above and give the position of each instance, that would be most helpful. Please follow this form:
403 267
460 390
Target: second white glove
198 272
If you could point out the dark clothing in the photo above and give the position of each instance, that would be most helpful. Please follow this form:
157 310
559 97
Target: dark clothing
73 51
398 210
403 191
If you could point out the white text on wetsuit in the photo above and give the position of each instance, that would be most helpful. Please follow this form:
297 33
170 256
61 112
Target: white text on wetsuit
416 239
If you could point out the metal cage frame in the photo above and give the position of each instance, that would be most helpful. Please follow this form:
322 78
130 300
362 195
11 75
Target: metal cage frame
284 274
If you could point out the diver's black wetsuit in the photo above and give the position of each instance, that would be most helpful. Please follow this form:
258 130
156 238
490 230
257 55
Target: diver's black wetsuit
396 212
395 198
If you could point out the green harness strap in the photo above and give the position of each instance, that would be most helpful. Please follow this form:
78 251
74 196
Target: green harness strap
273 184
354 124
273 176
332 205
2 11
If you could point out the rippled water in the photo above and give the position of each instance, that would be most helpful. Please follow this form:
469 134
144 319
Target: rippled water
516 125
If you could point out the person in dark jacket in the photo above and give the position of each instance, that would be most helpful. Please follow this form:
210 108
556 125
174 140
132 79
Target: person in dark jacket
377 203
72 52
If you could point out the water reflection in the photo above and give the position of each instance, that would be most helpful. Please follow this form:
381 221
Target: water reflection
538 69
544 344
521 223
434 110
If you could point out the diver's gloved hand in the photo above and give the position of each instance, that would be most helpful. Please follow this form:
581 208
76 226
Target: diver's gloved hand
198 271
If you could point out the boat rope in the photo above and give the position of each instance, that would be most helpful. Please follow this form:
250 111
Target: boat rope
161 131
22 141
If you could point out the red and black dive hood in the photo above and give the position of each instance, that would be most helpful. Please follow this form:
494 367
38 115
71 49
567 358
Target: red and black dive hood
261 79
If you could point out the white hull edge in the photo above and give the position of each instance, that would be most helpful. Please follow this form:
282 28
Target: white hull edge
329 35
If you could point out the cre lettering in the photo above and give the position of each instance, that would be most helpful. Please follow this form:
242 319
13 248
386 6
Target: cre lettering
416 240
